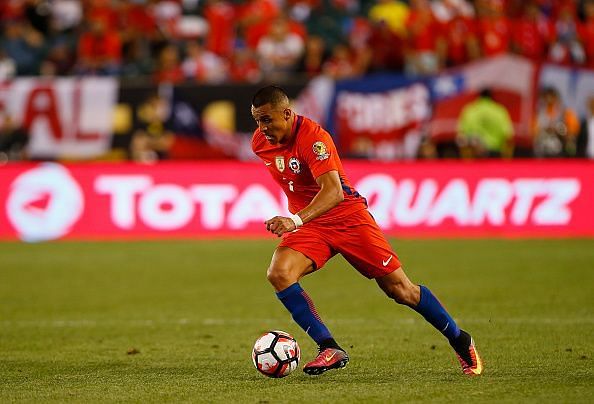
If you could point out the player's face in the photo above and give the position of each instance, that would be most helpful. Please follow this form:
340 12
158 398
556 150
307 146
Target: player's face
274 122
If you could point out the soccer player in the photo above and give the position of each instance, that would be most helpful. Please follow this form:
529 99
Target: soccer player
329 217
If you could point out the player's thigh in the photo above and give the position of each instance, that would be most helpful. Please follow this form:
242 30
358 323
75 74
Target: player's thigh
312 242
298 254
365 247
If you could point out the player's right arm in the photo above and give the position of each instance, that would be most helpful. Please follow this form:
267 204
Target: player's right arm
329 195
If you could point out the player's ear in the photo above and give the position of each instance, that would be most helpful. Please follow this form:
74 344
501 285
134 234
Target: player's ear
287 113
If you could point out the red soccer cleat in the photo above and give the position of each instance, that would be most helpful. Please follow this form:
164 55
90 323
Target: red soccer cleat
468 356
329 358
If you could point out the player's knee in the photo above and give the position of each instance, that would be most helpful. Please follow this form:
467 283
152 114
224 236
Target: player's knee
280 276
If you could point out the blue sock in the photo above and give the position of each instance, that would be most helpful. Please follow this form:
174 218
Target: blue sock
304 313
430 308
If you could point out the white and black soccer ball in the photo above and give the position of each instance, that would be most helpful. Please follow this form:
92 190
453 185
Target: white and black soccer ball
276 354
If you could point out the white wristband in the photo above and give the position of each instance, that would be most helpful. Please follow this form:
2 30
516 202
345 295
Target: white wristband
297 220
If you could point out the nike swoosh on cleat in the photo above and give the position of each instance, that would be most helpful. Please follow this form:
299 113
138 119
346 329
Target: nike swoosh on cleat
386 262
328 358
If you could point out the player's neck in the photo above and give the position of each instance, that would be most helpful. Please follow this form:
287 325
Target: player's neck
291 133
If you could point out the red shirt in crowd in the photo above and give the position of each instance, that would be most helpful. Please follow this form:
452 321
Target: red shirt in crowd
423 30
531 38
220 16
100 48
495 35
458 32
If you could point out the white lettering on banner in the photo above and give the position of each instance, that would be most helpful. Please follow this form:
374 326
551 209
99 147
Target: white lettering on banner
407 214
255 204
491 198
405 202
213 199
123 190
169 207
166 207
525 191
541 202
553 210
453 201
44 203
386 111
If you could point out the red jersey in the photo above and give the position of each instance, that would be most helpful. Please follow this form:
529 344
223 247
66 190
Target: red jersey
295 166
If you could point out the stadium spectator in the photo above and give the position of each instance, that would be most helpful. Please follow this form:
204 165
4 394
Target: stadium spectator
585 140
341 64
66 15
313 57
485 129
11 10
24 45
300 10
99 49
166 14
220 16
38 14
494 28
566 47
587 33
358 37
168 66
202 65
280 50
460 33
7 66
387 49
254 19
137 58
152 139
446 10
392 13
328 20
244 66
556 126
426 45
531 34
137 22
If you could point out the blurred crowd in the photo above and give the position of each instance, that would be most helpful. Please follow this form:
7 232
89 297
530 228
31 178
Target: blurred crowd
246 40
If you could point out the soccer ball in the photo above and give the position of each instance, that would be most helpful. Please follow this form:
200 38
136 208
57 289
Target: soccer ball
276 354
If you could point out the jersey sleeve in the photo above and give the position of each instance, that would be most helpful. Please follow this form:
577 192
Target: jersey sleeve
319 152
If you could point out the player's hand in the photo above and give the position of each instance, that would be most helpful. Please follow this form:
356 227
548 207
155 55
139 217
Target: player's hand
279 225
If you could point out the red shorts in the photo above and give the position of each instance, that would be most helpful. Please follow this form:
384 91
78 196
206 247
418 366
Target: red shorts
357 238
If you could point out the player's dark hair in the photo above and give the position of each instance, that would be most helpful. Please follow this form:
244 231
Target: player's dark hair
272 95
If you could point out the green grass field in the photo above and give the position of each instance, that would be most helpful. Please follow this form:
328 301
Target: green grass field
70 313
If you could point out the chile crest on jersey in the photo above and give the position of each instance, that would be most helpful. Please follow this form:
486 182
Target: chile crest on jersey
294 165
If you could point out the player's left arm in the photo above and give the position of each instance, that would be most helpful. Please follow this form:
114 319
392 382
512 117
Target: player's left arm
329 195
